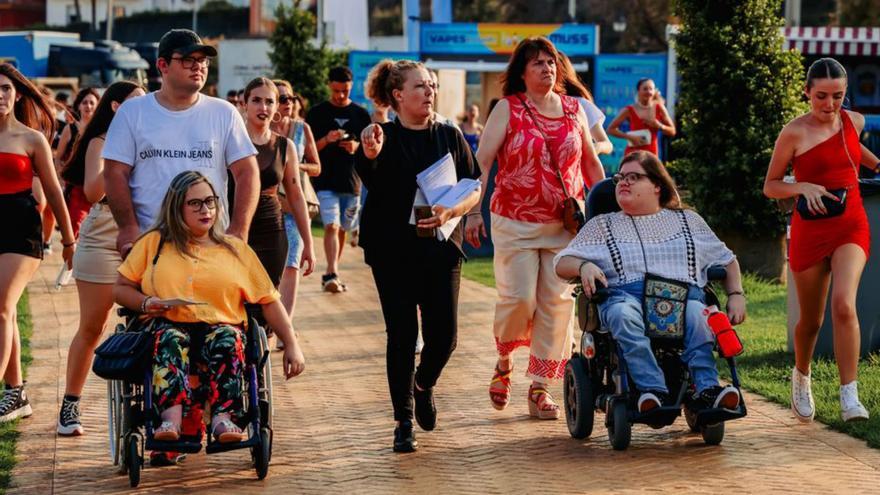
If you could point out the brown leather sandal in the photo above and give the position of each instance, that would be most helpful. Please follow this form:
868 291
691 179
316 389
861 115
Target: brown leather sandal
541 404
499 388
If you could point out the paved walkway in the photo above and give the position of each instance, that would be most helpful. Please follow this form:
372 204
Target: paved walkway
334 427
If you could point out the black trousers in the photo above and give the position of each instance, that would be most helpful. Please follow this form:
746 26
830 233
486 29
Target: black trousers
404 289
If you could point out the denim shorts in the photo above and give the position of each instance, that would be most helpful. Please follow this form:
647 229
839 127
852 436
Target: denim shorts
339 208
294 242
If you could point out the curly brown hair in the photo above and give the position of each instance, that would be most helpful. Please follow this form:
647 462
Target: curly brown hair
385 77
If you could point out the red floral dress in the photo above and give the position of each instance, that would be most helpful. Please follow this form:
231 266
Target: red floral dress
526 186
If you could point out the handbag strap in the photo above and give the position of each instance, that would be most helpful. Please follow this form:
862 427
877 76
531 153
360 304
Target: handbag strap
688 239
546 143
846 147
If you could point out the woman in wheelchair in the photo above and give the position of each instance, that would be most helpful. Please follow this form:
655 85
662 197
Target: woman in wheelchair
625 251
185 256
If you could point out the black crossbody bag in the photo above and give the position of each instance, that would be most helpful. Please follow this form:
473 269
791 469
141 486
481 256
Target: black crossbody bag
832 208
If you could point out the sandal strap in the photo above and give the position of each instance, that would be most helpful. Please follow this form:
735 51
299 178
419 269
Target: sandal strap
502 376
535 394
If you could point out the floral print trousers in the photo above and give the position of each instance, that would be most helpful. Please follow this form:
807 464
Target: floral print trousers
212 372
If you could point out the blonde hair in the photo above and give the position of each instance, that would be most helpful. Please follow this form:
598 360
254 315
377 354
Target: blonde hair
385 77
170 223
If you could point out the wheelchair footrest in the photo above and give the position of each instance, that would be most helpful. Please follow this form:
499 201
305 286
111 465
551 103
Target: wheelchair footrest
184 447
714 416
216 447
659 416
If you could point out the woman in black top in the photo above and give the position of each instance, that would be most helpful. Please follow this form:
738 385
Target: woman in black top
412 273
279 166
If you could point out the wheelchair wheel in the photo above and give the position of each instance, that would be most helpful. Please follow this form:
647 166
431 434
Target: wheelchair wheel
691 418
619 431
114 418
134 461
713 434
266 391
578 399
262 453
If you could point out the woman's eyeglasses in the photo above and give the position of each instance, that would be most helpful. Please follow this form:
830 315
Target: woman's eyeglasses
284 99
196 204
629 178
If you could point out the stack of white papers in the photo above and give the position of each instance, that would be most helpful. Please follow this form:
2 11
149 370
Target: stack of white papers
438 186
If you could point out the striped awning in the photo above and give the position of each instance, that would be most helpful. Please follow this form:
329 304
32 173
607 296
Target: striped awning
863 41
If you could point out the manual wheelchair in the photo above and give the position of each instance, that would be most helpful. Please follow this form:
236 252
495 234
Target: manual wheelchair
596 377
132 419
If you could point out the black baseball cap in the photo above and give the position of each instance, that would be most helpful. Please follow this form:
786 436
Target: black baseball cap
184 42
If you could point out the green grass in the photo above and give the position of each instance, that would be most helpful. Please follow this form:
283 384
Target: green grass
9 431
765 367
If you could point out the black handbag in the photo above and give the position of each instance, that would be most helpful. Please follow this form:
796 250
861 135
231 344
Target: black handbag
125 356
833 208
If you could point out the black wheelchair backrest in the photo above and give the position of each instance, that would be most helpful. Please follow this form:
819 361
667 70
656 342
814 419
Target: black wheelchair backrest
601 199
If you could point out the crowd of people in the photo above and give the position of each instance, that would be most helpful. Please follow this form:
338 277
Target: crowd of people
177 195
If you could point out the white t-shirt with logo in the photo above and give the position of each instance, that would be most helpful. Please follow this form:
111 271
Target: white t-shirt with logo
159 143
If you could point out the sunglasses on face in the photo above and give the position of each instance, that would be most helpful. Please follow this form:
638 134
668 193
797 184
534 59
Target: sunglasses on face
628 178
196 204
284 99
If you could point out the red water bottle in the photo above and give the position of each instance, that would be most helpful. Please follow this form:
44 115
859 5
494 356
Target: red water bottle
729 344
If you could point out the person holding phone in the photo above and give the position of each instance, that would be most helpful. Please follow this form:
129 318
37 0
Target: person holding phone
336 123
413 271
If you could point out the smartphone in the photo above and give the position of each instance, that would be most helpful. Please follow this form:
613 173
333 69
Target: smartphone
347 137
423 212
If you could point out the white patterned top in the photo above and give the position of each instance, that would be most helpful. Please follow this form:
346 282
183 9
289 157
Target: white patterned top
678 245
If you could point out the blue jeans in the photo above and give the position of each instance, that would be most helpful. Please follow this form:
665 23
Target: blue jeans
622 314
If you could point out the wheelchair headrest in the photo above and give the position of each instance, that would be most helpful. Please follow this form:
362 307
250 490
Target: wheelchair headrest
601 199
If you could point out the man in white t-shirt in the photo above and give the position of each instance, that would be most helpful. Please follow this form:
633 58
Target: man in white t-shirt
157 136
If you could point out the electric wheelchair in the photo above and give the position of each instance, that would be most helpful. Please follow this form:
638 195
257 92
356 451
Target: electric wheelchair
132 418
596 377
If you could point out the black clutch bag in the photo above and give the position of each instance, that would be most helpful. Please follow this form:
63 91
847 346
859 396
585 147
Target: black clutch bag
124 356
833 208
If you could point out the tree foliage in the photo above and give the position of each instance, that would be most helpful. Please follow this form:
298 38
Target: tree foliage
738 88
857 13
296 56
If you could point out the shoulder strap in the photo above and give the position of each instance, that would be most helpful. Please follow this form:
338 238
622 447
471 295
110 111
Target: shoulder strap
689 243
843 139
546 143
611 244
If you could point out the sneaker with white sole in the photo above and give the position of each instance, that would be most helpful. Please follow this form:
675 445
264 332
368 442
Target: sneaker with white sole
331 283
68 419
14 404
802 404
851 408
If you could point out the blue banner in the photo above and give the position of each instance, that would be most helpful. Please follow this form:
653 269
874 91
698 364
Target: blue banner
615 78
500 39
361 63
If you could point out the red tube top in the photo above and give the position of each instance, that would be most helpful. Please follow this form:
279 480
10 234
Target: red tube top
16 173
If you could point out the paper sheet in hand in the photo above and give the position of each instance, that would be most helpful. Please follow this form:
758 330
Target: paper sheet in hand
438 185
178 302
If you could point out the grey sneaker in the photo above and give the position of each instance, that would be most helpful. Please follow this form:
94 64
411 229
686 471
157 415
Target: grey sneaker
851 408
802 403
14 404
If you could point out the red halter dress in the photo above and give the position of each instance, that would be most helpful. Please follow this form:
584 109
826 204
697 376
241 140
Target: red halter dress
827 164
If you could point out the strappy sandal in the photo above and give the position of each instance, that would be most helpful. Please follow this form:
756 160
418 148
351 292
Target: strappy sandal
167 432
231 432
541 404
499 388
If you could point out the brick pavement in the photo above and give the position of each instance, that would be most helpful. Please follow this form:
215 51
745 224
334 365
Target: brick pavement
333 425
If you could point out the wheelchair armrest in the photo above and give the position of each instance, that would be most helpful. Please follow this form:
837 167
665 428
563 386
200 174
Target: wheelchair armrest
127 313
716 273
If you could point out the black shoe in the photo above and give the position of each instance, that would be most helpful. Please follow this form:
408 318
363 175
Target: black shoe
14 404
426 411
68 419
163 459
404 438
715 397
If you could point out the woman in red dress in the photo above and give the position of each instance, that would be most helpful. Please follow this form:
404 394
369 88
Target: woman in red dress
824 151
648 114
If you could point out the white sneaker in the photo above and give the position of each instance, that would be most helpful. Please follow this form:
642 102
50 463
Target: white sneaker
851 409
802 404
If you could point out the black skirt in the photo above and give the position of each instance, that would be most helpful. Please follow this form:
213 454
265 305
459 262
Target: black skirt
267 237
21 225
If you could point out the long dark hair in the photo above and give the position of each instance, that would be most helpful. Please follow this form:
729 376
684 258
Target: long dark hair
658 175
75 168
571 81
527 50
31 109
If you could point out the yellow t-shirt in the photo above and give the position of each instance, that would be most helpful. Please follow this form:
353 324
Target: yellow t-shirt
215 276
